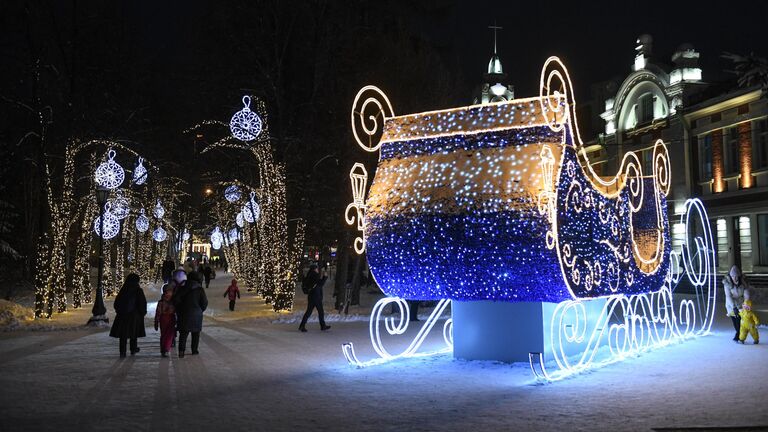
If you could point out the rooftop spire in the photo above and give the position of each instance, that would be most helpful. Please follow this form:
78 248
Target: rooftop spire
495 28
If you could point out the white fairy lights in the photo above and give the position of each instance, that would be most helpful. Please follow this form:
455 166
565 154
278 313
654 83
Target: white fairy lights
142 222
140 173
217 238
120 206
109 174
111 224
159 234
232 193
159 210
245 125
251 210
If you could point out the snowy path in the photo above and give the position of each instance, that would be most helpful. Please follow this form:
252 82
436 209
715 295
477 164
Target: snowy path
256 375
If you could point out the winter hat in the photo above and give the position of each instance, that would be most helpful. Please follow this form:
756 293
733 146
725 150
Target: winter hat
735 273
747 304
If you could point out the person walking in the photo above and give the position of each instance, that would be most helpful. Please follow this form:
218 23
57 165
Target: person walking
167 269
736 292
190 301
207 272
131 307
233 292
165 320
312 285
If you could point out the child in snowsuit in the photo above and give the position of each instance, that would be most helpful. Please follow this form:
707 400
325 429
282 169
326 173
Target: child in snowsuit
165 319
233 292
749 323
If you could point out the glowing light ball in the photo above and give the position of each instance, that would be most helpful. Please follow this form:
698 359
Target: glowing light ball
251 210
239 220
111 225
158 211
159 234
245 125
120 206
185 236
109 174
217 237
233 235
140 173
232 193
142 222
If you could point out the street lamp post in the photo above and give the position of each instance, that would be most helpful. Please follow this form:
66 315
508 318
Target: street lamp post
99 311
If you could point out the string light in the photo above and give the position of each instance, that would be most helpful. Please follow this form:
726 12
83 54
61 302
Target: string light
159 234
232 193
142 222
140 173
245 125
159 210
109 174
111 223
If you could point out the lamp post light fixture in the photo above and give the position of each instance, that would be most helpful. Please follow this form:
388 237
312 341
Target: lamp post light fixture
99 311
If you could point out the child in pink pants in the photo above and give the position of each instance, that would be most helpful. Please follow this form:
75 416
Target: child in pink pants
165 318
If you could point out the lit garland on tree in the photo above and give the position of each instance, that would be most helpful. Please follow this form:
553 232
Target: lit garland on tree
267 258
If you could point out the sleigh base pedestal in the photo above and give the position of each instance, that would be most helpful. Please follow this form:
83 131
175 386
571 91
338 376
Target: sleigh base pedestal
509 332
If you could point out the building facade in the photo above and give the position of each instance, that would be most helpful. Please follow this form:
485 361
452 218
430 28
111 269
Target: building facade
717 137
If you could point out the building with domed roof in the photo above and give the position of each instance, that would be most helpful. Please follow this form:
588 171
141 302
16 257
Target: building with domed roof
717 137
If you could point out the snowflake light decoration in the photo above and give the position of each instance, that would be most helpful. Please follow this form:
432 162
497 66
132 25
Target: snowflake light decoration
158 211
232 193
159 234
142 222
239 220
185 236
140 173
217 238
120 206
109 174
245 125
234 235
251 210
111 224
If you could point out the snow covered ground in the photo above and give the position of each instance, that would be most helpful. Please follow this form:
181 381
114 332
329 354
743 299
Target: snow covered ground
257 372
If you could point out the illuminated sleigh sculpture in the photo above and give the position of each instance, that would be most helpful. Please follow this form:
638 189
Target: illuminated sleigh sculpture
499 202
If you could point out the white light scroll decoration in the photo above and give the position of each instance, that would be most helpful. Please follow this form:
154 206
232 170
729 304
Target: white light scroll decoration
217 238
398 326
140 173
645 321
159 210
142 222
239 220
232 193
245 125
251 210
159 234
109 173
111 224
369 110
355 211
121 207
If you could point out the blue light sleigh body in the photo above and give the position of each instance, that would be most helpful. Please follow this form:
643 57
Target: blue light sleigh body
500 202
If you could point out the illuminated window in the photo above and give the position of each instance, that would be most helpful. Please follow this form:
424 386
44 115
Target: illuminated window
722 245
745 243
705 156
760 142
646 108
762 238
731 150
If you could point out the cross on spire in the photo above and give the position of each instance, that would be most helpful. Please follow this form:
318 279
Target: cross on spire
495 29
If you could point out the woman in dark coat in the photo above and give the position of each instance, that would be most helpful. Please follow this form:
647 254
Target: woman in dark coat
130 306
190 301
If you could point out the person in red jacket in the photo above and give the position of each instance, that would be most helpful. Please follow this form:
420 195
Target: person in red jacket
165 319
233 292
